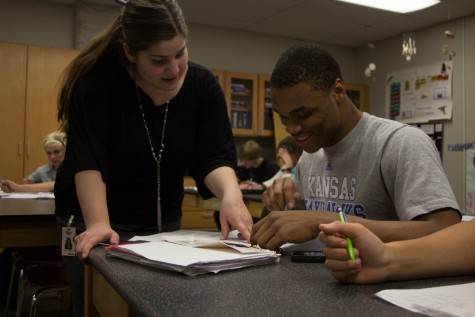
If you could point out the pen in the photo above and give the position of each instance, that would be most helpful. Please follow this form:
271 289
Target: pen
349 243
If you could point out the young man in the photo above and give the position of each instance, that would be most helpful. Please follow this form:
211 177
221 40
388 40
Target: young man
372 168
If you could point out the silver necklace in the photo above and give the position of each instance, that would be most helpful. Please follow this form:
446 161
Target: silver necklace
159 159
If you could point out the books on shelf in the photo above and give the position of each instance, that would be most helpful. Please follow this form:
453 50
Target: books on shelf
192 252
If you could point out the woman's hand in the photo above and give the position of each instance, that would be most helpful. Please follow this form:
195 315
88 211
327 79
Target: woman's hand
95 234
234 212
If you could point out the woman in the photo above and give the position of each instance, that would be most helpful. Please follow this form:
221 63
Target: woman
138 115
42 180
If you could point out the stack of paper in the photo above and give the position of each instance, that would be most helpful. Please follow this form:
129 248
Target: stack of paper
193 252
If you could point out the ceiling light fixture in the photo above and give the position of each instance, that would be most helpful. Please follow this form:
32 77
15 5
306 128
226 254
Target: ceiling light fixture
409 45
400 6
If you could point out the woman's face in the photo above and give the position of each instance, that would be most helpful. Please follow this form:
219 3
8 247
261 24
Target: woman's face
55 153
163 65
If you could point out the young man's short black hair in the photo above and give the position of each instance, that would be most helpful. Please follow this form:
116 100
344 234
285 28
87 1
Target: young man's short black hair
306 63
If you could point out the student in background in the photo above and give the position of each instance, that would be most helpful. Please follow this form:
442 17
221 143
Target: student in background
139 115
42 180
255 169
372 168
447 252
288 154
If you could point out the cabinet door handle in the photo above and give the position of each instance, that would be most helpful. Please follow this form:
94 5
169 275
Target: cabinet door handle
28 151
20 149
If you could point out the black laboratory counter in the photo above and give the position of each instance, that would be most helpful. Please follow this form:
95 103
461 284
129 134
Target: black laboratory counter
116 287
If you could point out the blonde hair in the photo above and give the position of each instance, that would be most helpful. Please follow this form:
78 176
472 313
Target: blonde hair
250 150
55 137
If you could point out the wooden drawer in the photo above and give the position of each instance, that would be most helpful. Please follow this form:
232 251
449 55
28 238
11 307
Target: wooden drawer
190 200
198 218
254 207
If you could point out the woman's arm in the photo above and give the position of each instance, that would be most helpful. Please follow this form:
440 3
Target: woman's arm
91 192
222 183
8 186
446 252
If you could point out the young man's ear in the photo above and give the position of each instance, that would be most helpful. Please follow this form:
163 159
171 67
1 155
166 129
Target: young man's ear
339 89
127 53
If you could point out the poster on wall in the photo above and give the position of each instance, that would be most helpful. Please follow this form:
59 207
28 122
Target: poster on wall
470 179
420 94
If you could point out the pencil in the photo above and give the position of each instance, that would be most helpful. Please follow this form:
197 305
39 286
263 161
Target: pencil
349 243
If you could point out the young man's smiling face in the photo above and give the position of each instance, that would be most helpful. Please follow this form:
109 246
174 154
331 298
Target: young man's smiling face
311 116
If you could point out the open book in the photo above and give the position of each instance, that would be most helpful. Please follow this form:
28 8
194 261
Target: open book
192 252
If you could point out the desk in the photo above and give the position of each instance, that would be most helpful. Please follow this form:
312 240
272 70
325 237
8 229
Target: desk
115 287
27 223
198 213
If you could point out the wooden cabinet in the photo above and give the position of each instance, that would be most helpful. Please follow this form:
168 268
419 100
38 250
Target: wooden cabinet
12 109
241 92
265 117
198 214
28 93
358 94
249 103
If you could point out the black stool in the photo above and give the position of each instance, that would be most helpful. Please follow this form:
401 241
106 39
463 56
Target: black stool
45 278
25 257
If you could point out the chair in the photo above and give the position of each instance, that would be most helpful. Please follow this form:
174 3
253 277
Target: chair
26 257
45 278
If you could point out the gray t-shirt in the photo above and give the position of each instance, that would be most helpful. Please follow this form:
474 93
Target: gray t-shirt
43 174
382 170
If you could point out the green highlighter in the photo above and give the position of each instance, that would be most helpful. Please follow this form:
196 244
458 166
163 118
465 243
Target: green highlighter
351 251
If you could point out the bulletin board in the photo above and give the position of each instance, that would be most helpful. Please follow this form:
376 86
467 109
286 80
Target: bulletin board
470 179
420 94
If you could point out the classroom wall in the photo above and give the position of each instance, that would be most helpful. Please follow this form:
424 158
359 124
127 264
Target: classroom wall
387 56
51 24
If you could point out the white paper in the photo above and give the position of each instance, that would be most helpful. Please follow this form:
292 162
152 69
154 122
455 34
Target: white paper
176 254
201 239
454 300
42 195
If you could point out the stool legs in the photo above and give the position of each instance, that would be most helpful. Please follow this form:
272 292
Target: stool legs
10 288
21 291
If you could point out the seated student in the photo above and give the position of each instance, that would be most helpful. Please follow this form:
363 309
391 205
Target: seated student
255 169
288 154
447 252
42 180
372 168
